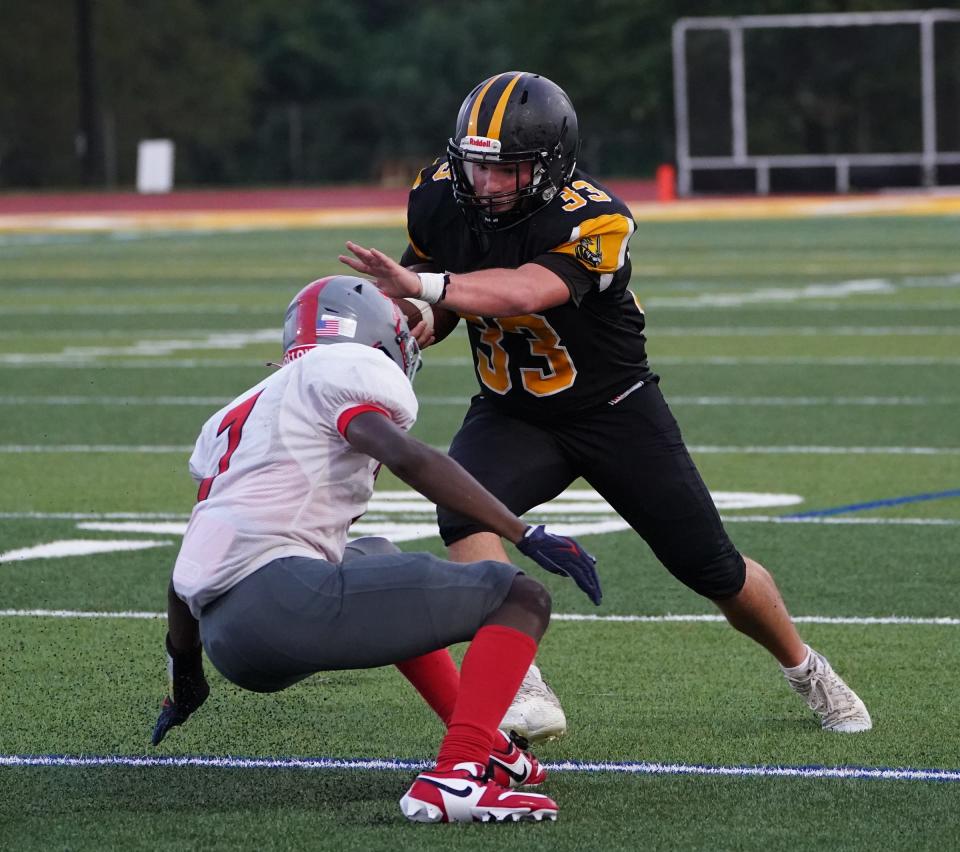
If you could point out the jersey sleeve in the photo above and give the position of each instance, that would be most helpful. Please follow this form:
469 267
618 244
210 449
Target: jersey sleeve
594 252
585 238
430 186
361 379
206 452
198 459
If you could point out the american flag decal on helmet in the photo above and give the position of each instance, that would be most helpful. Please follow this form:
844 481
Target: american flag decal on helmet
329 326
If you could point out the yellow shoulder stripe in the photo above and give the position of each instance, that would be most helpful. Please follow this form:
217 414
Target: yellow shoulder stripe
600 244
417 250
422 172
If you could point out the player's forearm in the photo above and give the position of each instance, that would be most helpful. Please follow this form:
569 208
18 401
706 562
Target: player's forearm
183 628
444 482
432 473
505 292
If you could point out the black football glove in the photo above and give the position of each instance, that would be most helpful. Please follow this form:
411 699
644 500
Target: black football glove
190 689
564 556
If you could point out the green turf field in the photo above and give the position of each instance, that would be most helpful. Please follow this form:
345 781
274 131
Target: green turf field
813 365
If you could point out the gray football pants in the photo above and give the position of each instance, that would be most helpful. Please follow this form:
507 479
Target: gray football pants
297 616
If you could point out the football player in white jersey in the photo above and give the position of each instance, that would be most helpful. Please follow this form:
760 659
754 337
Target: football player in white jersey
267 583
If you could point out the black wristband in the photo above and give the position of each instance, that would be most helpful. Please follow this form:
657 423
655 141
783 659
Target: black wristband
446 283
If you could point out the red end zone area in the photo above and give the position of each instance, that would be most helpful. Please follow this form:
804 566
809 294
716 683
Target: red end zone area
320 198
324 198
347 206
223 209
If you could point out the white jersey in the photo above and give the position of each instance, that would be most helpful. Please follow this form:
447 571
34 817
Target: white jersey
277 477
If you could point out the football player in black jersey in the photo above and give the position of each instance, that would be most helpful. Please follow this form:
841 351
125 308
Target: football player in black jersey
533 254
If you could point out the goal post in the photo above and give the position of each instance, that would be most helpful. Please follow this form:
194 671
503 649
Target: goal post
927 157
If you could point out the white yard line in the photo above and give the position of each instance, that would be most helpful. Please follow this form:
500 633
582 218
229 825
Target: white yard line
802 619
786 401
15 449
94 516
139 310
789 449
78 547
853 620
706 302
557 518
806 361
757 306
778 295
842 521
410 765
805 331
161 347
215 401
73 613
765 401
24 361
153 346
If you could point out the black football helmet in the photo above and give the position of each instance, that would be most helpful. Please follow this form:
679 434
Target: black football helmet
514 118
345 309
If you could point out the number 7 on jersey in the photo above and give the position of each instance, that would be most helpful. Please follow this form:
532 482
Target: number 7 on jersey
233 421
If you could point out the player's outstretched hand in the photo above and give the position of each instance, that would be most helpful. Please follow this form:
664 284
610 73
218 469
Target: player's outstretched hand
562 555
395 280
189 687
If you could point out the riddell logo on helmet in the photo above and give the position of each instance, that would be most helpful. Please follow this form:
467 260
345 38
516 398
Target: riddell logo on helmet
480 143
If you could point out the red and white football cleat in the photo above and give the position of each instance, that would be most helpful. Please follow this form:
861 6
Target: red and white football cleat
463 795
511 765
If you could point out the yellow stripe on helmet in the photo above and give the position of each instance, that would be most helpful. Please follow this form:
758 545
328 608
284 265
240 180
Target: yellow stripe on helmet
475 109
493 132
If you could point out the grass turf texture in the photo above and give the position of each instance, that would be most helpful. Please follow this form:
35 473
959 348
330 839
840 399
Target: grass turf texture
224 809
94 316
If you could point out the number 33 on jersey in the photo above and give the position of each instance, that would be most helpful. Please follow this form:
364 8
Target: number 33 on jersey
568 358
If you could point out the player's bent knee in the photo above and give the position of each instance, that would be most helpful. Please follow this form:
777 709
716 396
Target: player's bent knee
719 579
532 596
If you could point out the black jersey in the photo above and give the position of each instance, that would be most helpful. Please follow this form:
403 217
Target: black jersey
566 359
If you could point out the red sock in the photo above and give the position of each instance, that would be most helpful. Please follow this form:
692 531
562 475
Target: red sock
491 674
436 678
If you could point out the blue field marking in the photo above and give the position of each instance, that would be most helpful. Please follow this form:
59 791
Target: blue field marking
877 504
874 773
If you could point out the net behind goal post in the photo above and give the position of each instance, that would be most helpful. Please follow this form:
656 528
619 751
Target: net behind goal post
755 96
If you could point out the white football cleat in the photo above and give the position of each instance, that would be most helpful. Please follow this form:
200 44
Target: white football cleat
464 795
839 707
536 714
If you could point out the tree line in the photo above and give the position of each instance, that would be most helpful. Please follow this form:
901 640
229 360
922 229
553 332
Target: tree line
317 91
